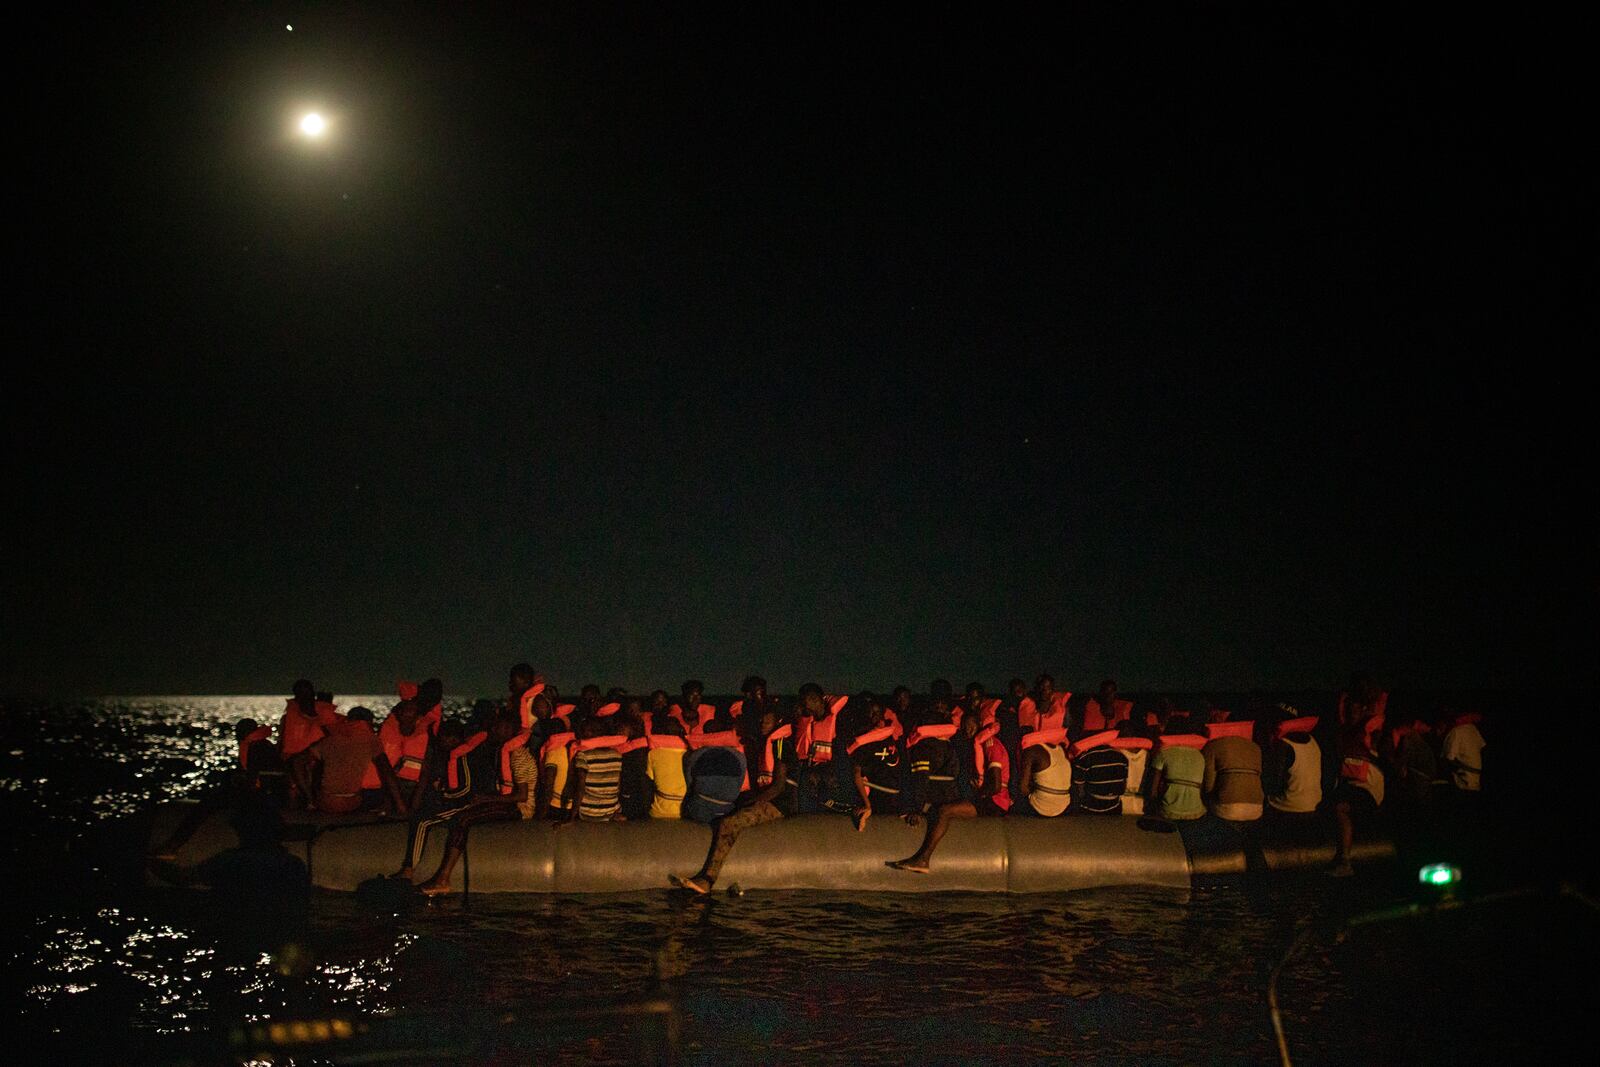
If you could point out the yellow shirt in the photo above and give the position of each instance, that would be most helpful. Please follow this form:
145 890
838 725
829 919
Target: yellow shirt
556 764
665 768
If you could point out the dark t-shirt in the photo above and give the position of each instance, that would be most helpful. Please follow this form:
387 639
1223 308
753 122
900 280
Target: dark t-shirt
935 775
1103 775
636 787
882 763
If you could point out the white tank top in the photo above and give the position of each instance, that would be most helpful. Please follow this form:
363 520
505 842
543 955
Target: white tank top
1133 799
1050 792
1304 790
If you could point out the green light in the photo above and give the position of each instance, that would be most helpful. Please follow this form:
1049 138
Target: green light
1438 874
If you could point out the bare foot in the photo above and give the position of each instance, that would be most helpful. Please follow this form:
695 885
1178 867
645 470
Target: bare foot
434 889
914 865
696 884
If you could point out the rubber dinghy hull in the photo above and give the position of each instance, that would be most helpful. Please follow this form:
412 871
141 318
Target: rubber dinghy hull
1015 855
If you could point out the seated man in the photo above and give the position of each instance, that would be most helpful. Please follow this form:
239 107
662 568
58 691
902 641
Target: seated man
594 785
1102 773
774 801
664 765
503 775
1461 750
1359 793
1046 772
555 761
691 712
991 791
876 768
1232 783
304 722
636 790
715 775
934 775
1105 710
348 752
1291 772
259 776
1177 773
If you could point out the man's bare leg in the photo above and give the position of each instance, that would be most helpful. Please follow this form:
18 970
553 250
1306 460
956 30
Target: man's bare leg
918 863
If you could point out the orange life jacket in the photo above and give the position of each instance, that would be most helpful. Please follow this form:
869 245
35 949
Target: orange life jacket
1305 724
404 753
407 690
668 741
769 758
553 742
260 733
1029 717
1094 716
1245 730
719 739
607 741
707 712
452 767
943 731
525 703
1184 740
298 731
1133 742
1052 736
822 733
634 744
605 711
1095 740
871 737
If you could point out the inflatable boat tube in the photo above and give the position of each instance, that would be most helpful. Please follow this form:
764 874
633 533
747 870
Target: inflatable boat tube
1011 855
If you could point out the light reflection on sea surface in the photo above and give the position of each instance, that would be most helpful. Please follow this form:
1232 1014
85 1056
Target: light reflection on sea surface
1128 976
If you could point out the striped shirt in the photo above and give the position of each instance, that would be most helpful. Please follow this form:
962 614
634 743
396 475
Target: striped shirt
602 783
1103 774
525 771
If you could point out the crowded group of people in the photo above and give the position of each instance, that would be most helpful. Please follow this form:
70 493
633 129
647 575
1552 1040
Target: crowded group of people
928 758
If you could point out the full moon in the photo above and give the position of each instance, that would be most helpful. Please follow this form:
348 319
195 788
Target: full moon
313 124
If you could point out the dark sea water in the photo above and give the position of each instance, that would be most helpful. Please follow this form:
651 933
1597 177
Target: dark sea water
100 969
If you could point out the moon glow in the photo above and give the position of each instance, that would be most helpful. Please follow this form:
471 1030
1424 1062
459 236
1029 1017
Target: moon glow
313 124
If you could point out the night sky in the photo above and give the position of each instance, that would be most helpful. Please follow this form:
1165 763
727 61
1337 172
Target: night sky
1203 346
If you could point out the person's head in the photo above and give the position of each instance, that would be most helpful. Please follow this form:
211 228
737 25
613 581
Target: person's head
504 725
974 693
244 728
324 697
1045 685
522 678
1108 693
616 694
873 709
632 722
304 692
754 688
430 693
540 707
594 726
359 714
658 700
1363 687
451 734
406 713
589 697
1017 688
901 700
770 719
939 708
692 691
666 724
969 726
810 702
940 687
482 711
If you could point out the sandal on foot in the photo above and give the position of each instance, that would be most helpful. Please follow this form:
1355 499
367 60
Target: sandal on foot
907 865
